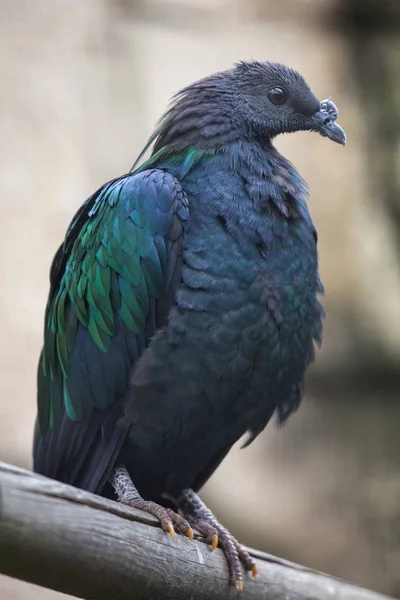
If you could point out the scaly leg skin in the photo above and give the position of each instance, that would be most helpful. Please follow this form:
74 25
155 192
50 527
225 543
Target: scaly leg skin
128 494
202 519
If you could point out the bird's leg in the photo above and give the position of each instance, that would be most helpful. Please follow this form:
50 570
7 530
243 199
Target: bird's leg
128 494
202 519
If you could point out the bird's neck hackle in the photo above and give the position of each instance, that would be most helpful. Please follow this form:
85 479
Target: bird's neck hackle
199 122
201 125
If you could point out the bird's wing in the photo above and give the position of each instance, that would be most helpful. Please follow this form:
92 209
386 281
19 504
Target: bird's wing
112 282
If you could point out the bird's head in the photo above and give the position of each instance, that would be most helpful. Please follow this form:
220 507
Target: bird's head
272 99
252 100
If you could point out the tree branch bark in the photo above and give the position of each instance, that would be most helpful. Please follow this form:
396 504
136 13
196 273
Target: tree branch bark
59 537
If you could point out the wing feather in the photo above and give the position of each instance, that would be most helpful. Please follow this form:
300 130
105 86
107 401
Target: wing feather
111 284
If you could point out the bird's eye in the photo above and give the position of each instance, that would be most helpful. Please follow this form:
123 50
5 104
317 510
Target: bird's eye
277 96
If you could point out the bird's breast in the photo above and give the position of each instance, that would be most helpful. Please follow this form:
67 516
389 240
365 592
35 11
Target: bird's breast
238 301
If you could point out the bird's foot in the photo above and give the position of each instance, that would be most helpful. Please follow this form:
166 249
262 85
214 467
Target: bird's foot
202 519
128 494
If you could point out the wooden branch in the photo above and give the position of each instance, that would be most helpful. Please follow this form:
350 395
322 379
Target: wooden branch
62 538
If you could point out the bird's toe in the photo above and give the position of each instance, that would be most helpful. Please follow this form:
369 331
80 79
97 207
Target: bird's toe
181 525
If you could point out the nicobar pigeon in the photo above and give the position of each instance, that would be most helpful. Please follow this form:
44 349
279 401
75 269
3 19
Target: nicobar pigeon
183 305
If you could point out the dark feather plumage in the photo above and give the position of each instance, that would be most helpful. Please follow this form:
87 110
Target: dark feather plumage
169 335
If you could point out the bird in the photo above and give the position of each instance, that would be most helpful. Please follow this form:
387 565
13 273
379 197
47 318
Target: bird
185 303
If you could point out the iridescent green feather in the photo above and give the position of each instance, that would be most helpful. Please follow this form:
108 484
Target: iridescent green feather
112 270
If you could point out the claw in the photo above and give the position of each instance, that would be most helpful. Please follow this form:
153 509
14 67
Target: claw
190 533
171 531
197 514
239 585
254 572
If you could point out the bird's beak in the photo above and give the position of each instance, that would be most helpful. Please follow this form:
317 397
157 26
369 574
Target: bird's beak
323 121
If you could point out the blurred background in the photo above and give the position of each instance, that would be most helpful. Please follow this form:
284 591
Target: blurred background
82 84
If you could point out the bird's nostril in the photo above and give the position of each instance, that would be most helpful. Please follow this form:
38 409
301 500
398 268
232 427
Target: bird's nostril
327 120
